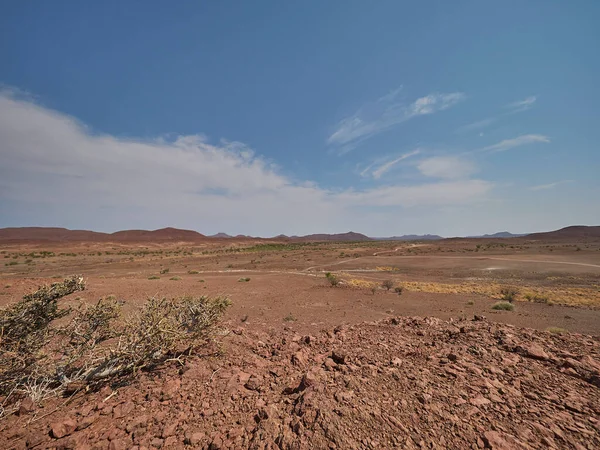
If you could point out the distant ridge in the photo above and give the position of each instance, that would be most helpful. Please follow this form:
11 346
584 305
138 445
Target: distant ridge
411 237
66 235
350 236
572 232
500 234
53 234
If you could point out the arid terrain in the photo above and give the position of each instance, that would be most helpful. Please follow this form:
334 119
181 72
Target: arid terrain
305 364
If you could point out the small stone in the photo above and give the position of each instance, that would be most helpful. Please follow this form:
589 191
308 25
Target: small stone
452 357
339 357
169 430
196 438
118 444
397 362
27 405
254 383
64 428
479 400
424 398
157 442
123 409
535 351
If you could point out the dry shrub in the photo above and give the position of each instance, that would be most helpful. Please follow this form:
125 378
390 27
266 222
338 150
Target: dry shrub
39 358
387 284
25 331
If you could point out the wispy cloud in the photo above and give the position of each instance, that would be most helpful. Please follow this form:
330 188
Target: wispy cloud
386 112
543 187
448 167
515 107
522 105
516 142
385 167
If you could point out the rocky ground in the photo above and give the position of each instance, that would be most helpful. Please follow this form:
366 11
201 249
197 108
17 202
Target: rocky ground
398 383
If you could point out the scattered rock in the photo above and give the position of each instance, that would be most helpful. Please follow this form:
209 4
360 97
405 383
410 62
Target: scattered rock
63 428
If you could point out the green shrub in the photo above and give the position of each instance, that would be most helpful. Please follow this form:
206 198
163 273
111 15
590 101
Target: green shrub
154 277
289 318
175 278
503 306
333 280
244 280
193 272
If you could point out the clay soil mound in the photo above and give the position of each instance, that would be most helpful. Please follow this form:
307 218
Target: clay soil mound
399 383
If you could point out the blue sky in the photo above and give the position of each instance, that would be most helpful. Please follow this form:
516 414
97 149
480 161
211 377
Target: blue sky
267 117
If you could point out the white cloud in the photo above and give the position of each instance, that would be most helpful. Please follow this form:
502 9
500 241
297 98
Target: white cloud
54 171
543 187
447 167
522 105
383 168
385 113
516 142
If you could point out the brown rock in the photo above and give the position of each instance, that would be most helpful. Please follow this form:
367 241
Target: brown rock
497 440
118 444
254 383
196 438
27 405
123 409
479 400
62 429
339 357
535 351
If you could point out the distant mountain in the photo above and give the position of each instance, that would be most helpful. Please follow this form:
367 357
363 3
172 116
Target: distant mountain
66 235
50 234
573 232
411 237
220 236
163 234
350 236
501 234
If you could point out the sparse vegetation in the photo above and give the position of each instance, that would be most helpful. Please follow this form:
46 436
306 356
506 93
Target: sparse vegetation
470 303
193 272
398 290
557 330
41 359
244 280
333 280
175 278
509 294
290 318
154 277
503 306
164 271
387 284
536 298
